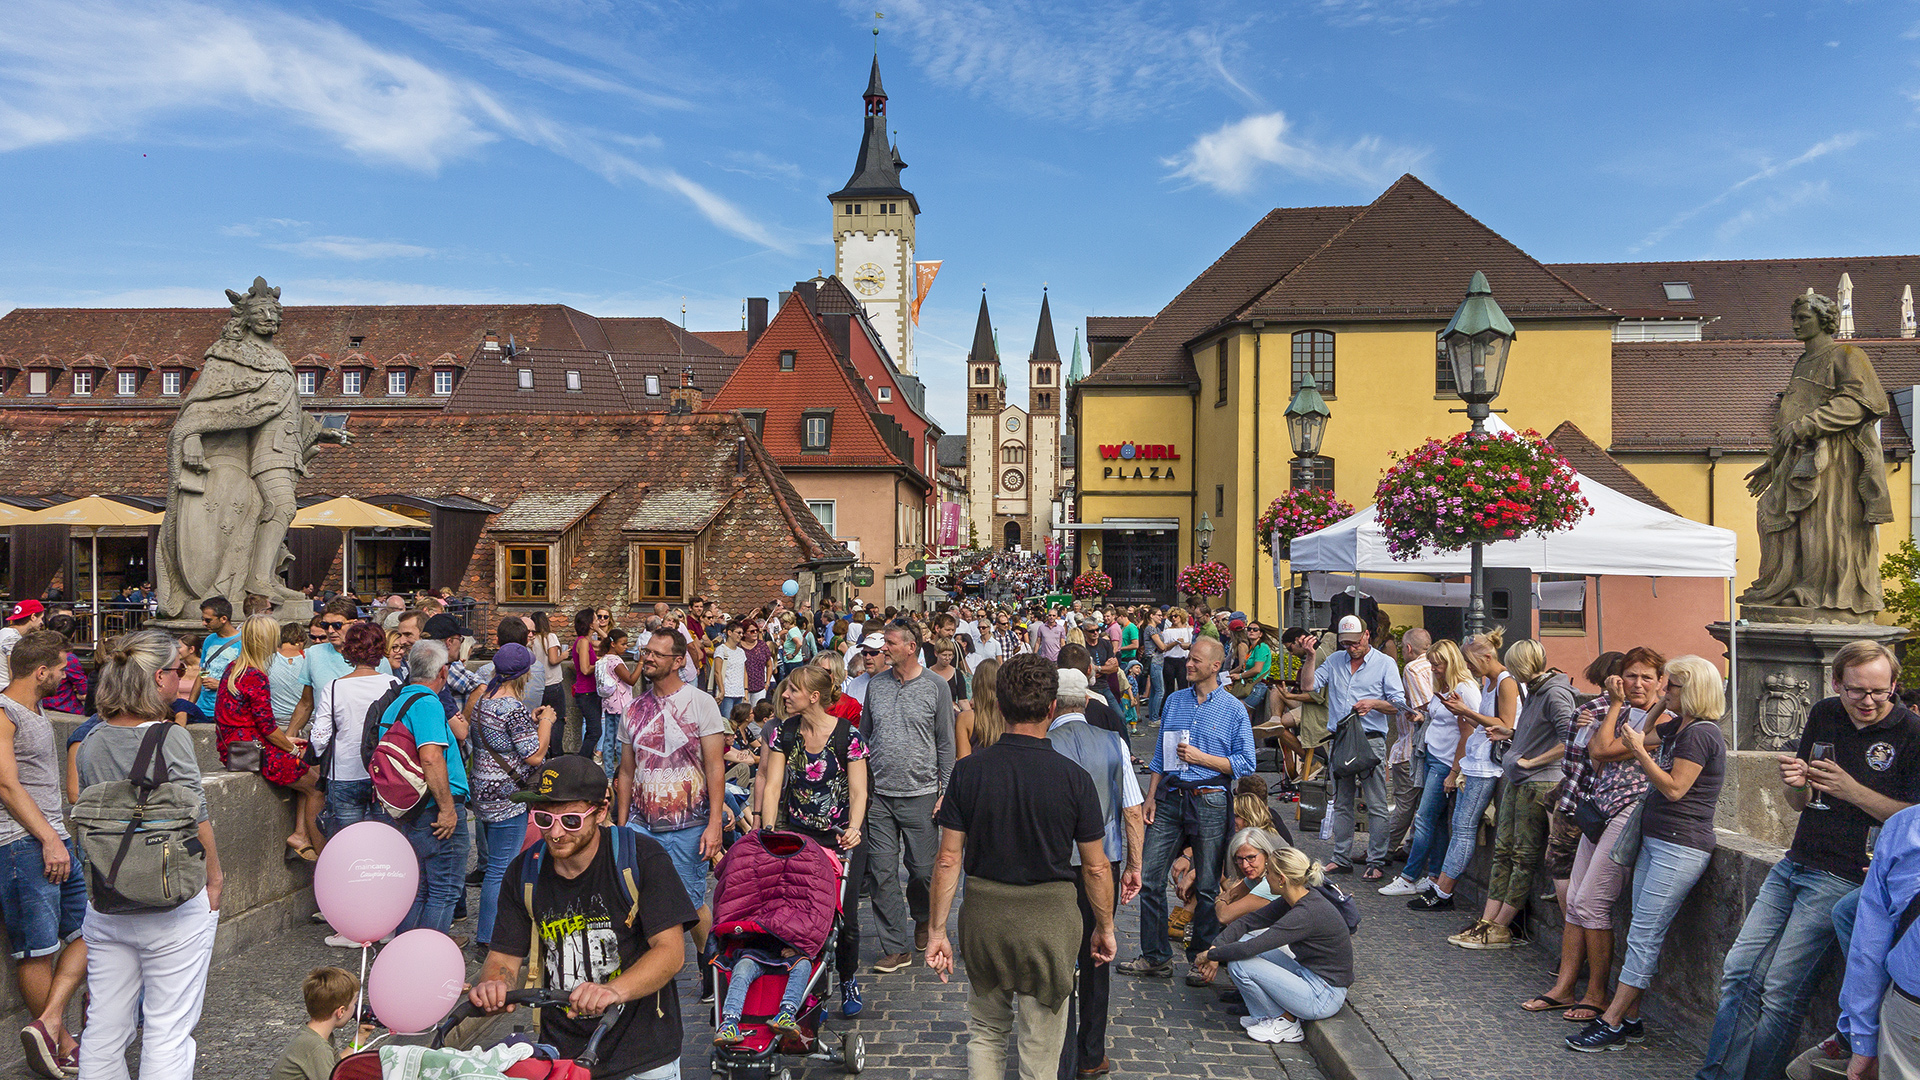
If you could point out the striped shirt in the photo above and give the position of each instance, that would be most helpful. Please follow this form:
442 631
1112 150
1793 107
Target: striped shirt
1219 726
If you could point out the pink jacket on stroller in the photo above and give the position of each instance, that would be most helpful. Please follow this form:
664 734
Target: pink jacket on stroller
781 884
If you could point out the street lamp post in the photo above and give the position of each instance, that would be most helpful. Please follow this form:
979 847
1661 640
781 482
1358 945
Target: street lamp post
1307 415
1476 344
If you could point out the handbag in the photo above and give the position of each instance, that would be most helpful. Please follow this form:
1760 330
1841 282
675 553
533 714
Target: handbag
244 755
1352 753
1591 819
1626 850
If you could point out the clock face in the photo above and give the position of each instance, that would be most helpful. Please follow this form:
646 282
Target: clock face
1013 423
1012 480
868 278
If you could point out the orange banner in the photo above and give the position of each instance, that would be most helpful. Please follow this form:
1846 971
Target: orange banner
923 275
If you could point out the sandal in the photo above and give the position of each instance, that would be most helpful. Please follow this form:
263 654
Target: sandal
1373 873
1581 1014
1543 1003
303 853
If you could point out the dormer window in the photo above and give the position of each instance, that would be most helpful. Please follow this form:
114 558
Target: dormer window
396 384
653 386
816 430
82 383
128 383
351 382
443 382
356 341
787 357
171 382
1678 291
307 382
38 382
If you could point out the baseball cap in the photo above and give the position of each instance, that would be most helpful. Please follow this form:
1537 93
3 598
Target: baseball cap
567 778
1351 626
444 626
874 642
1237 621
1073 683
25 609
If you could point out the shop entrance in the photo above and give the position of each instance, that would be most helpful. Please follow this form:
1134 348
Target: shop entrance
1141 563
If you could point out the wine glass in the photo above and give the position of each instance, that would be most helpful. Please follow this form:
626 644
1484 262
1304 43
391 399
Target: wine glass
1821 751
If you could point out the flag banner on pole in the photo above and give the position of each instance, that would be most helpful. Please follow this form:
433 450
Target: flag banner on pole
923 275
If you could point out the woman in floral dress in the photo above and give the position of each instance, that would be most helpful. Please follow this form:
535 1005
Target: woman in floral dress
243 710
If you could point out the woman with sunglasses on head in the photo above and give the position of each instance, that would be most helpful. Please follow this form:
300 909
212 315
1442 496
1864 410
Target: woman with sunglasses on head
1676 836
815 784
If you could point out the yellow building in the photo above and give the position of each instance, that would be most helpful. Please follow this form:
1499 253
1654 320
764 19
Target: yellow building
1357 296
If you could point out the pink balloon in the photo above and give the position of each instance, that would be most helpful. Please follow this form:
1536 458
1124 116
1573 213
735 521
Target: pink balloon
366 879
416 980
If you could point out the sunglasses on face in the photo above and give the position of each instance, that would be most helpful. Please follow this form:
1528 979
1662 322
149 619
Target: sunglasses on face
331 625
544 819
316 635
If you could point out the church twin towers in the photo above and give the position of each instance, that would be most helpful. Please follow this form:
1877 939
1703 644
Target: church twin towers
1013 454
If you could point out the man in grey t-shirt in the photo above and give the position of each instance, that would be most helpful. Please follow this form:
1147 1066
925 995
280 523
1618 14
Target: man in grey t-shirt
43 898
907 721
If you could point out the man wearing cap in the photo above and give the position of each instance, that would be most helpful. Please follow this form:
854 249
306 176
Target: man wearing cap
437 829
1362 683
452 633
593 940
24 619
907 721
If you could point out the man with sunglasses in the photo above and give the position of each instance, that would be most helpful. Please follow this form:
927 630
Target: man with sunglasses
597 942
324 660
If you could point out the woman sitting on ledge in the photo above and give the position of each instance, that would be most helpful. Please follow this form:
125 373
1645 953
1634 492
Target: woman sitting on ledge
1282 990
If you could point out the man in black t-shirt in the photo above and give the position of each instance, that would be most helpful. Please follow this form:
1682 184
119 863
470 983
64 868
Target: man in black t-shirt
596 942
1869 770
1013 815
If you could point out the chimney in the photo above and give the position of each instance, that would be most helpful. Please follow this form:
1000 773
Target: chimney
492 343
685 398
809 294
784 293
840 331
756 318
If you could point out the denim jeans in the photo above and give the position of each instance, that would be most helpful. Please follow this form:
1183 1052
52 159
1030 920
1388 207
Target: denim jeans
1846 911
1156 680
1469 803
610 744
1662 878
1372 785
499 842
1274 983
349 802
1183 817
1770 972
1427 851
727 705
1256 699
443 871
746 969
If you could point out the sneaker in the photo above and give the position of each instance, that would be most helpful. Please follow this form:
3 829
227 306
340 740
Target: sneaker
784 1020
477 878
1491 936
341 941
887 965
1430 901
1263 1031
1251 1022
729 1034
317 917
850 1003
43 1054
1144 967
1475 932
1598 1037
1287 1030
1636 1032
1399 886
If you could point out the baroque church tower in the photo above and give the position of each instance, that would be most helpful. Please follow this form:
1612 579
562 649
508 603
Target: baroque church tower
873 231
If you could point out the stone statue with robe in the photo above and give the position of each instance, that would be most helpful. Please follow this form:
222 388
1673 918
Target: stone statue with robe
1823 489
238 447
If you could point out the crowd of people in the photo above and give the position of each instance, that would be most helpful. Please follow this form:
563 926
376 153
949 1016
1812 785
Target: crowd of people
584 777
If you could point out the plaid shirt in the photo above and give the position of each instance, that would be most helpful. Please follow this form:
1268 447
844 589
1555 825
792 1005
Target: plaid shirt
1614 785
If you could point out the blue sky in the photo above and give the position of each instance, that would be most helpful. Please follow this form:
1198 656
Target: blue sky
620 155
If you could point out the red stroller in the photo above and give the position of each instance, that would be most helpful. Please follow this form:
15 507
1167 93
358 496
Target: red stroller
783 886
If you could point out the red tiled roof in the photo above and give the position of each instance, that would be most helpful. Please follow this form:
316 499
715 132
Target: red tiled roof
1589 460
1409 256
1691 396
1157 352
1750 298
819 380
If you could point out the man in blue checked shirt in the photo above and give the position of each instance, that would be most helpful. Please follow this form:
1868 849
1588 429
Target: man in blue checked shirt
1880 999
1359 679
1190 804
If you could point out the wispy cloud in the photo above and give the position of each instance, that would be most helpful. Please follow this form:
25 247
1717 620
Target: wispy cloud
1842 141
1093 62
1802 194
1387 14
353 247
1232 158
92 69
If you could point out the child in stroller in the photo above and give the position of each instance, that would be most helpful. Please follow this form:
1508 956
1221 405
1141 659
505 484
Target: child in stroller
749 963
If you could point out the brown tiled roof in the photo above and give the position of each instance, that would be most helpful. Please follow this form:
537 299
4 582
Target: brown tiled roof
1750 298
1121 327
729 342
673 510
1409 256
1590 461
763 533
651 335
609 382
1157 352
1690 396
547 511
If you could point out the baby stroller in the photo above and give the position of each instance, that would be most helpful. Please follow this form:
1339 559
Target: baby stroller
365 1065
784 887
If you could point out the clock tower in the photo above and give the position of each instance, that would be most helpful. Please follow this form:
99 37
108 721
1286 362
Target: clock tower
873 225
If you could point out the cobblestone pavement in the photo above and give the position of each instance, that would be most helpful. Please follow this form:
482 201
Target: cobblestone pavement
914 1025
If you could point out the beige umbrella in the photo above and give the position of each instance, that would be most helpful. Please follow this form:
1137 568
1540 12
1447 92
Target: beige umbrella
12 515
1906 312
1846 307
93 513
347 514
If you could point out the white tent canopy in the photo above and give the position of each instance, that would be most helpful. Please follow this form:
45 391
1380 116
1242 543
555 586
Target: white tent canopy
1622 536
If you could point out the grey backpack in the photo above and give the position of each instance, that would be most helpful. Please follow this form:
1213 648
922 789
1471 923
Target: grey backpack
141 836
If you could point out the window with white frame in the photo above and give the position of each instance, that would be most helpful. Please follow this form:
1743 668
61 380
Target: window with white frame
573 380
526 378
397 383
128 383
886 393
351 381
82 383
823 510
171 382
309 383
443 382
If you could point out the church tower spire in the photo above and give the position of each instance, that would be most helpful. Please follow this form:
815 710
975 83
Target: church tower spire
1043 365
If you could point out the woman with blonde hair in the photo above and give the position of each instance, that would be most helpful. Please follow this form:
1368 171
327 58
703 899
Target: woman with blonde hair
983 725
1469 772
1529 774
1676 836
243 712
1292 959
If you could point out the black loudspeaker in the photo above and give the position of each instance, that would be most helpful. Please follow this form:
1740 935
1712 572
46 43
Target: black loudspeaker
1510 600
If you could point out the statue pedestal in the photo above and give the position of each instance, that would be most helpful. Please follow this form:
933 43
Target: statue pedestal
300 611
1780 671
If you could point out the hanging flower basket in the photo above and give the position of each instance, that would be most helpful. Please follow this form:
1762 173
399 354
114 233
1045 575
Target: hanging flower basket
1091 584
1298 512
1205 579
1483 487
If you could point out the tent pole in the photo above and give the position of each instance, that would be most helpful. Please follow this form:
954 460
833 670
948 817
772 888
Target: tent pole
1599 617
1733 665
